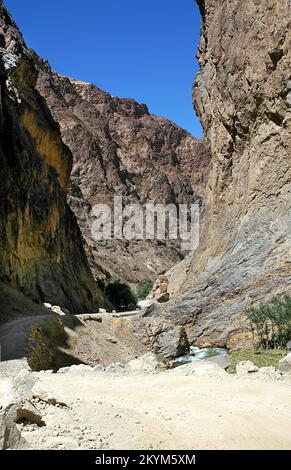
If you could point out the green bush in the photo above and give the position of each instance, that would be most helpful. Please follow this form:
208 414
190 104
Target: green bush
271 323
144 290
119 294
44 340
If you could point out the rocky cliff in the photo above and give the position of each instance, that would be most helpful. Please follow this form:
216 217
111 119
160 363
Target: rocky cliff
243 96
41 250
119 148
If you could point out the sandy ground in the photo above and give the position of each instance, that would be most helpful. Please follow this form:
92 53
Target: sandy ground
164 411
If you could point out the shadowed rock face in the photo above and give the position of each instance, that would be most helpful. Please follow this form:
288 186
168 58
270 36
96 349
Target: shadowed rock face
242 95
120 149
41 250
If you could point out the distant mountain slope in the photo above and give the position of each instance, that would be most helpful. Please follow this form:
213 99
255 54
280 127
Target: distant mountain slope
120 149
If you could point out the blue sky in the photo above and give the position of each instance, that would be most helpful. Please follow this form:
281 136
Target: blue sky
139 49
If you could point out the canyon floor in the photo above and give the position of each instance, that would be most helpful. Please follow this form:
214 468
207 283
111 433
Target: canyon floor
173 409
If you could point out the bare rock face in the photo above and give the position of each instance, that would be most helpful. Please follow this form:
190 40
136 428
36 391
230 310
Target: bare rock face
242 95
121 149
41 250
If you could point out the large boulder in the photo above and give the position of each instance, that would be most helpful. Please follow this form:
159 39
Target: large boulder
173 343
163 298
203 368
147 364
222 360
9 433
15 406
48 394
285 364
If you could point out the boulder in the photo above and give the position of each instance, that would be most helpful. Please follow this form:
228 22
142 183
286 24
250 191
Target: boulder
285 364
288 346
75 368
222 360
148 309
9 433
48 394
56 309
15 406
146 364
47 305
23 384
246 367
98 368
145 303
116 368
173 343
28 411
200 369
165 297
102 310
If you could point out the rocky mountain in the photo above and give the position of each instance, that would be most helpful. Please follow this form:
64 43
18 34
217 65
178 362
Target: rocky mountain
119 148
243 96
41 249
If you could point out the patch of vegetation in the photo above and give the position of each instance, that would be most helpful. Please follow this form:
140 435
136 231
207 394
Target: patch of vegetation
263 358
44 340
119 294
271 323
143 290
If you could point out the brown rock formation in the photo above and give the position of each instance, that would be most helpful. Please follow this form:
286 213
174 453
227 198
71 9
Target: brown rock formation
41 250
243 97
121 149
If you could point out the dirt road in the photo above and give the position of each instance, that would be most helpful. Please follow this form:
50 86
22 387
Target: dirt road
165 411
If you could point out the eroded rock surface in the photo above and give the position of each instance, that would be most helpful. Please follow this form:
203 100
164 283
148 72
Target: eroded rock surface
242 95
119 148
41 250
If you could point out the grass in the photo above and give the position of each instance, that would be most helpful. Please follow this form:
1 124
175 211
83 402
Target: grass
263 358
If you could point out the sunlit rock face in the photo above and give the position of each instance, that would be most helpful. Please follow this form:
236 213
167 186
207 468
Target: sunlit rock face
119 148
242 95
41 251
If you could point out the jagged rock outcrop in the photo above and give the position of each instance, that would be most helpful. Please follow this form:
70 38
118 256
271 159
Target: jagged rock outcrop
119 148
242 95
41 250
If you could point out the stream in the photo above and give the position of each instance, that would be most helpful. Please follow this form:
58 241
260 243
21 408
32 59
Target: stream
198 354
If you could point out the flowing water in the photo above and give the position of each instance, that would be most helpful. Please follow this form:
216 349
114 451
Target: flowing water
198 354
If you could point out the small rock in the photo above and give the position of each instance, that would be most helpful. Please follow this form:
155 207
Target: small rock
116 368
112 340
58 310
98 368
47 305
165 297
246 367
102 310
29 412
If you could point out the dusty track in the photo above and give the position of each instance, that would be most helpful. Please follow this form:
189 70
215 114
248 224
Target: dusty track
166 411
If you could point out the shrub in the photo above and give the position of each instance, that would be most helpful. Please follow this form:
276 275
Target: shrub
44 340
119 294
144 290
271 323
